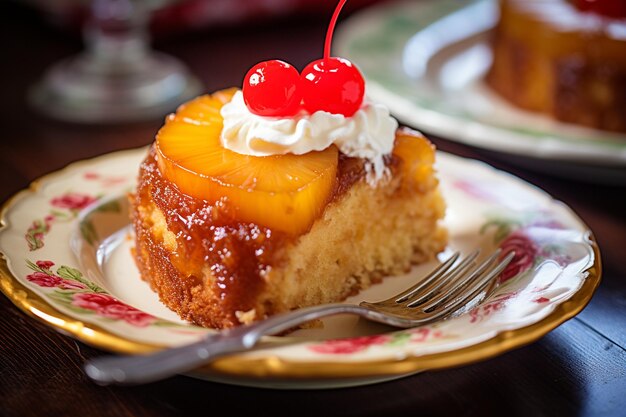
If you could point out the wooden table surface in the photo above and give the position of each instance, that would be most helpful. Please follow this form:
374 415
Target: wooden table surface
579 369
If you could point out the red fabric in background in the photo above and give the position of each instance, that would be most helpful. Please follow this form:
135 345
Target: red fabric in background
203 13
183 15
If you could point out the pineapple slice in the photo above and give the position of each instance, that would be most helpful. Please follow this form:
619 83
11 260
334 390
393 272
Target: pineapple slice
418 156
282 192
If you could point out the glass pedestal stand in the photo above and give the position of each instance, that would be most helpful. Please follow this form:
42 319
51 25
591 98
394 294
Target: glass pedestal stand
118 78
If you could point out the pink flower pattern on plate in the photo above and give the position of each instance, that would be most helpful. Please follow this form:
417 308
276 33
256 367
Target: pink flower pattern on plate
53 281
422 334
110 307
45 264
487 309
358 344
351 345
72 201
525 253
38 229
73 290
105 180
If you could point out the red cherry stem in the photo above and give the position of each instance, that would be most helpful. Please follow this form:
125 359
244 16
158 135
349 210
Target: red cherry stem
331 29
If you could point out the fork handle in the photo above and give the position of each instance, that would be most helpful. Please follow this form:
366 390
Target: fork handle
168 362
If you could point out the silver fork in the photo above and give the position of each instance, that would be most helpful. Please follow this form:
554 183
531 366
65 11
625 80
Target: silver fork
439 295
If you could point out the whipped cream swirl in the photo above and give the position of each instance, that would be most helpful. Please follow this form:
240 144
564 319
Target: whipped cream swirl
369 134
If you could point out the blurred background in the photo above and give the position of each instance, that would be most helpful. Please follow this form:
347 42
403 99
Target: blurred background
175 16
53 47
117 76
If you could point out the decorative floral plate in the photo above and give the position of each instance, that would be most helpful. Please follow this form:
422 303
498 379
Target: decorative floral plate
426 61
66 248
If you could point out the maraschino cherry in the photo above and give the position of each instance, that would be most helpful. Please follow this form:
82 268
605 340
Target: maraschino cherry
271 89
332 84
275 89
609 8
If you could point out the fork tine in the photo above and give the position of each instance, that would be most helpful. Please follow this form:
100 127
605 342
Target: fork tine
446 281
436 273
457 303
459 285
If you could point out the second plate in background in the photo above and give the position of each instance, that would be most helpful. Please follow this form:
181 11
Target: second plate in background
426 61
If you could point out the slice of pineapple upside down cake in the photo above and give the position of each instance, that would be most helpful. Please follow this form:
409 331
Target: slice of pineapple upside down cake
226 238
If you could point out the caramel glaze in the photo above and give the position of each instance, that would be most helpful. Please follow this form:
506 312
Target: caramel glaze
239 255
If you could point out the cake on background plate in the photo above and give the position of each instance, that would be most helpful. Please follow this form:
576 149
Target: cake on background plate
566 59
